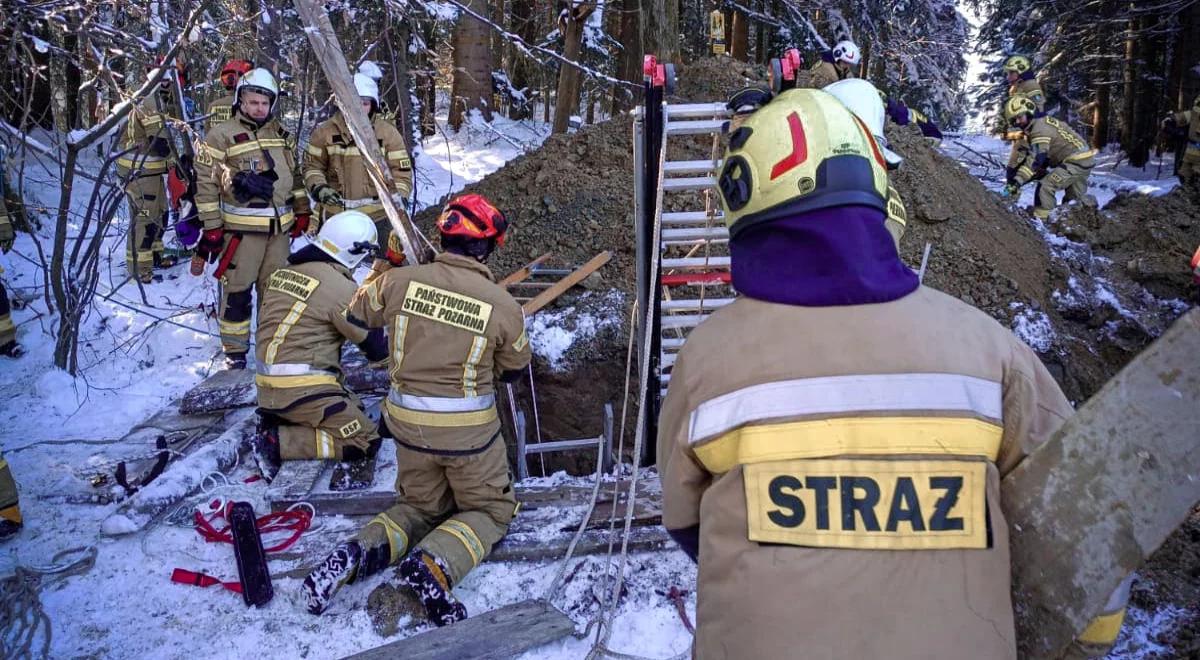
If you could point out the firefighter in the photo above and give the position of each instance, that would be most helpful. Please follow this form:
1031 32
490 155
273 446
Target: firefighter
1018 71
1189 168
831 478
306 410
335 171
863 100
8 332
453 332
248 204
1057 156
10 508
147 155
836 64
220 110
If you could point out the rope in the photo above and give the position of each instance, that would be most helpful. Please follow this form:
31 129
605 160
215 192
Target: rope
22 618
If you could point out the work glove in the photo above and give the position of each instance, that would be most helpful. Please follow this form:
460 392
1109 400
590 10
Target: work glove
211 244
300 226
6 235
327 196
248 185
897 111
1012 189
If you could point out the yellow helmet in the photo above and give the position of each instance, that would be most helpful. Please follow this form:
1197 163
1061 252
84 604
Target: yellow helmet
1017 64
1017 105
801 152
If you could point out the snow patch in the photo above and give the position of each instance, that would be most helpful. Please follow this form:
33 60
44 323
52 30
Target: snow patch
553 333
1143 629
1033 327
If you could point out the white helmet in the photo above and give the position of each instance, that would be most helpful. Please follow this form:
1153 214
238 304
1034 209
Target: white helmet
367 88
258 80
862 99
349 237
370 70
846 51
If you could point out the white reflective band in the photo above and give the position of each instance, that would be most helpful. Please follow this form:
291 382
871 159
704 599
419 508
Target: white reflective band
359 203
286 369
836 395
258 213
444 404
325 445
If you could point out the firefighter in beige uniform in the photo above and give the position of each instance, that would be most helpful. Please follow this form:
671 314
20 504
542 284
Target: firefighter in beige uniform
1021 80
453 332
146 142
1057 155
842 492
306 409
834 65
221 110
245 174
1189 169
335 172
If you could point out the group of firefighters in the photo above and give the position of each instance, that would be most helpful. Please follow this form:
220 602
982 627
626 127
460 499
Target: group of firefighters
788 466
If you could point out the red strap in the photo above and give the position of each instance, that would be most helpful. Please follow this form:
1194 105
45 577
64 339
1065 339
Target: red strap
297 521
184 576
684 279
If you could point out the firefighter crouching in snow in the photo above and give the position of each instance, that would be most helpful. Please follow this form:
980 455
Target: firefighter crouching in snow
335 171
221 110
832 479
307 411
246 193
1057 156
1189 168
1021 81
146 142
453 332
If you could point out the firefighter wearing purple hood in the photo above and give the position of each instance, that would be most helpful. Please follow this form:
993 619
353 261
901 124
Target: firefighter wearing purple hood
832 443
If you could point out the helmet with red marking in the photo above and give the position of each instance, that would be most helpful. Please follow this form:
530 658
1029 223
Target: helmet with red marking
473 217
233 71
801 152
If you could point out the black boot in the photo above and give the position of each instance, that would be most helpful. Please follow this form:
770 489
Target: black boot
339 568
426 575
12 349
8 529
265 449
235 361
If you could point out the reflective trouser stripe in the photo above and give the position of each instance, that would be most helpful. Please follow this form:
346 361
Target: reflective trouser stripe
470 374
467 536
285 326
325 445
235 335
11 514
437 419
309 380
147 165
397 537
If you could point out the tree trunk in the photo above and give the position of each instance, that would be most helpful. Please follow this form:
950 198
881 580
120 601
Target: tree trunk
1129 81
567 96
660 29
1187 57
400 95
498 42
472 89
270 37
739 42
763 36
1103 107
631 55
524 23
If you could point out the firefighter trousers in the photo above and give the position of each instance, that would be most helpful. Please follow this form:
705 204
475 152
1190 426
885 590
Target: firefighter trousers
1189 168
147 220
258 255
9 508
1067 177
321 425
8 331
454 507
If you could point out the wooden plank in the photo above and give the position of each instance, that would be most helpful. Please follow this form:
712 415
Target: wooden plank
308 481
523 273
546 297
1092 503
536 547
499 634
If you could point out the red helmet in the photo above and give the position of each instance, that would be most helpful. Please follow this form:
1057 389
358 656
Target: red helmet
233 71
473 216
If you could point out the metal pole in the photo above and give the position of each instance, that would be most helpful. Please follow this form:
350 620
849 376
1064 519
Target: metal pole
653 135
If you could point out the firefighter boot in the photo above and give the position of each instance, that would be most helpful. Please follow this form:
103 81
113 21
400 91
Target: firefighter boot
348 562
8 529
426 576
265 449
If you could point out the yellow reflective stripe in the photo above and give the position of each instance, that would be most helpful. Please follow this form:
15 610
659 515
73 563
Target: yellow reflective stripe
440 420
397 537
145 164
255 145
6 324
307 380
281 332
373 296
521 342
262 222
213 151
324 444
1082 155
851 435
208 207
343 151
399 331
1040 140
1103 630
470 374
314 151
12 514
299 193
467 536
234 327
142 255
1025 171
400 155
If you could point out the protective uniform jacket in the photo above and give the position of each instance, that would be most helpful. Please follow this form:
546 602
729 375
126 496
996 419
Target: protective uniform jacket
334 160
219 111
1031 89
240 146
847 490
451 330
1191 119
147 134
826 73
1053 143
302 325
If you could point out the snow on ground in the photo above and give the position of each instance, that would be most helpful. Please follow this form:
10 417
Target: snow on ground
552 333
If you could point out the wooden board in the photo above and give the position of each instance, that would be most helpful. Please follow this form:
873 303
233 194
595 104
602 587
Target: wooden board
546 297
523 273
1091 504
537 547
500 634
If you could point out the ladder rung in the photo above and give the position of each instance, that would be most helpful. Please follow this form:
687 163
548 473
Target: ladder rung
536 285
671 343
679 321
667 360
690 217
560 445
696 262
716 233
697 127
689 304
681 167
683 184
683 110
